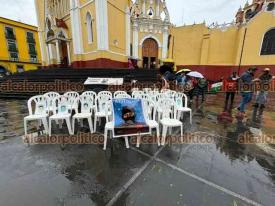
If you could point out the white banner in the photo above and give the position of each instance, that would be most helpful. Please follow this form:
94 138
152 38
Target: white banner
104 81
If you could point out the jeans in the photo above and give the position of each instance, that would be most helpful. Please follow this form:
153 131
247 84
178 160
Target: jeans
246 98
261 97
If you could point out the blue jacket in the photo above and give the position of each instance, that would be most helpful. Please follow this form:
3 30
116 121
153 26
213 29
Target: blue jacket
247 78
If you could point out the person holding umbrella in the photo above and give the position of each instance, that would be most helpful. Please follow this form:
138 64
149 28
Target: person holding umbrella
181 76
200 86
167 76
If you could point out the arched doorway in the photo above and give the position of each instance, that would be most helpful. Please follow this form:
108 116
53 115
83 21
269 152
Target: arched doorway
150 53
64 54
63 48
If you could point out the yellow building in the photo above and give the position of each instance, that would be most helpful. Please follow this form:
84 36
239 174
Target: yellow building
216 50
102 33
107 33
20 49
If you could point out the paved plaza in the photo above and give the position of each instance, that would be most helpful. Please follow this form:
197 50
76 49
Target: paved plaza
222 172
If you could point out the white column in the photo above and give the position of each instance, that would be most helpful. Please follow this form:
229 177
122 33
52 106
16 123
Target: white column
105 23
69 52
102 24
144 8
165 43
76 28
57 53
49 54
128 32
42 48
98 24
55 7
157 9
135 40
58 9
40 34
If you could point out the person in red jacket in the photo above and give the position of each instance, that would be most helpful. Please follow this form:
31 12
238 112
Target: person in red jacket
230 86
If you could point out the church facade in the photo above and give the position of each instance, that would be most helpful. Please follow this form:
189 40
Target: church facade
103 33
107 33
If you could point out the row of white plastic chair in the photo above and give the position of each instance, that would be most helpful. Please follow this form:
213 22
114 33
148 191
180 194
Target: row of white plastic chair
61 107
91 103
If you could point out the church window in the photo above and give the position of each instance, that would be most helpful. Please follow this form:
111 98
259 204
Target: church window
248 14
150 12
89 23
268 46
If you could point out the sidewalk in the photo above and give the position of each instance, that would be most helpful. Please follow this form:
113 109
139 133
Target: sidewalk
221 172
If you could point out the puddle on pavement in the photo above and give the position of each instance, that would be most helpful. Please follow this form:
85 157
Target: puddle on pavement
12 113
85 175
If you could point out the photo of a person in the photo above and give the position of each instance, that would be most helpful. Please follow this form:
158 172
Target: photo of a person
128 115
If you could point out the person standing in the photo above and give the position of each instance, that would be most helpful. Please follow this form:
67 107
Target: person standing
230 88
203 86
200 87
246 81
167 76
261 97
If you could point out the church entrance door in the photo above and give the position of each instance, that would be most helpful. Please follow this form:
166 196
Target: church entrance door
150 54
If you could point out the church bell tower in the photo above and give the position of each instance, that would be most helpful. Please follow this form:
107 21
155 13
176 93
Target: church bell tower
150 31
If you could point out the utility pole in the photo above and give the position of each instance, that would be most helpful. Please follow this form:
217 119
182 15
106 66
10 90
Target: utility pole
241 57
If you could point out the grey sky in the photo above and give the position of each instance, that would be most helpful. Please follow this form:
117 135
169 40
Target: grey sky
181 11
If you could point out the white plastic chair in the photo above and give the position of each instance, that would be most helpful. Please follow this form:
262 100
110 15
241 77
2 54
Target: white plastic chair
134 89
40 112
157 104
145 96
105 93
119 93
101 100
153 124
137 94
110 125
147 90
123 96
72 96
62 112
93 95
153 95
167 120
170 94
51 96
86 109
182 108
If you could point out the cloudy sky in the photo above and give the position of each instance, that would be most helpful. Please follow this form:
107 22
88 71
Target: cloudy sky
181 11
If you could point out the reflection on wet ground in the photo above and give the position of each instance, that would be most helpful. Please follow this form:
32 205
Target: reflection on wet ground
221 172
11 115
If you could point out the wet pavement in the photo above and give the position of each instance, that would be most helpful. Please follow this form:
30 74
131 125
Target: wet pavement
221 172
